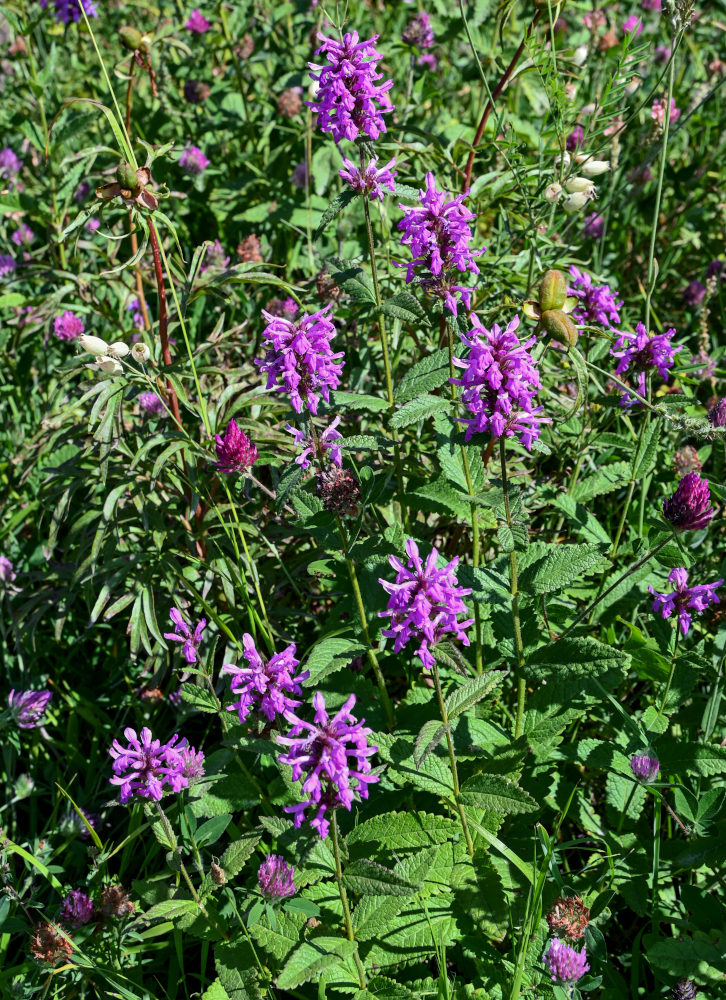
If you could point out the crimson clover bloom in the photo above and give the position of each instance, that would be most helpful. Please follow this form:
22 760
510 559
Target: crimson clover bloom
150 403
349 102
275 878
327 755
717 414
500 381
300 360
28 707
418 32
690 506
70 10
193 161
190 639
372 179
684 597
24 235
235 451
10 163
644 352
7 573
68 326
265 683
148 768
326 444
438 233
7 265
424 603
564 964
597 303
77 909
197 22
644 768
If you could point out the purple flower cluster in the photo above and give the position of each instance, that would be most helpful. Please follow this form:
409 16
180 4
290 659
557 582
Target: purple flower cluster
193 161
137 317
216 258
326 444
564 963
372 179
331 758
644 768
70 10
23 235
694 293
424 603
235 451
643 352
68 326
287 308
185 635
575 139
148 769
7 573
150 403
10 163
77 909
7 265
597 303
349 102
690 506
267 684
300 360
438 233
275 878
594 226
197 22
684 599
717 414
500 382
28 707
418 32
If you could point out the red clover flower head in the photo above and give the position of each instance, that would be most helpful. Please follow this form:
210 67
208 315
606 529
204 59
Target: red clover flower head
418 32
424 603
690 506
717 414
644 352
10 163
193 161
7 265
24 235
597 303
265 684
70 10
185 635
326 444
68 326
150 403
300 360
331 758
235 451
77 909
644 768
372 179
349 102
275 878
564 963
576 138
147 768
499 384
197 22
28 707
684 598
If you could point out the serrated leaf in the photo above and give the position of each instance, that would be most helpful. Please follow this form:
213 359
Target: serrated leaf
340 400
645 458
368 878
496 794
570 658
234 857
429 737
677 757
198 697
427 374
311 958
404 830
559 565
352 279
329 655
280 940
468 694
334 209
211 830
653 722
605 480
170 909
582 520
215 992
287 484
418 409
235 965
406 307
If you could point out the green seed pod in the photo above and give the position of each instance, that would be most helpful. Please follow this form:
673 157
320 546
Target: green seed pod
126 176
552 291
559 326
130 37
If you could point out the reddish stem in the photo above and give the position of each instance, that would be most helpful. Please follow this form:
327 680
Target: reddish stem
163 320
140 297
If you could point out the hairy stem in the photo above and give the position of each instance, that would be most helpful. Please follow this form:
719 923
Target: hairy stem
452 761
514 591
671 673
344 900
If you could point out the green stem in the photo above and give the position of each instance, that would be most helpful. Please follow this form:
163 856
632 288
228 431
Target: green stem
670 675
514 590
657 810
659 194
452 761
344 901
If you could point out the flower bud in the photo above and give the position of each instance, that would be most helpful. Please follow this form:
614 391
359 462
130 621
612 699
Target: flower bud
579 56
218 874
552 291
92 345
118 349
140 353
126 176
559 326
108 365
581 184
553 192
575 201
130 37
593 168
563 158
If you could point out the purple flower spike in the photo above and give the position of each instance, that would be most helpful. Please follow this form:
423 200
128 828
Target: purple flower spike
235 451
597 303
77 909
68 326
10 164
147 768
70 10
348 100
327 755
372 179
275 878
644 352
694 293
190 639
300 360
424 603
7 265
326 444
717 414
7 572
684 597
197 22
418 32
266 684
193 161
690 506
564 964
28 707
644 768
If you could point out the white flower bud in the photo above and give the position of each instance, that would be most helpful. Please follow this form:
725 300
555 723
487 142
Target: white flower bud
632 86
118 349
553 192
588 109
581 184
140 353
93 345
575 201
109 366
580 55
593 168
564 158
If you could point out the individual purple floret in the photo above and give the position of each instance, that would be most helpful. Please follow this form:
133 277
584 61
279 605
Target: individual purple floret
717 414
644 768
197 22
299 360
658 111
349 102
275 878
326 444
235 451
633 25
424 603
192 762
266 684
77 909
597 303
70 10
684 598
643 352
23 235
594 226
500 382
68 326
150 403
690 506
694 293
193 161
28 707
7 572
565 964
327 755
7 265
418 32
576 138
190 639
371 180
438 233
216 258
10 164
147 768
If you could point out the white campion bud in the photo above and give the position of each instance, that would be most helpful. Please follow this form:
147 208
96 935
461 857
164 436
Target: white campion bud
108 365
632 85
553 192
140 353
579 56
92 345
581 184
118 349
564 159
575 201
593 168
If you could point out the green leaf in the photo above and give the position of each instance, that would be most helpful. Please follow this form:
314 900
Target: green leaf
567 659
368 878
352 279
468 694
170 909
280 940
427 374
605 480
199 698
235 965
334 209
407 308
418 409
330 655
556 566
691 957
340 400
234 857
644 461
215 992
581 519
403 830
429 737
496 794
210 831
312 958
287 484
653 722
706 759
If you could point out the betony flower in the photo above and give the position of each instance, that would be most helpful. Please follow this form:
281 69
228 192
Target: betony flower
418 32
326 444
331 758
216 259
137 317
643 352
424 603
7 572
197 23
287 308
150 403
299 177
597 303
690 506
147 768
300 360
275 878
265 684
717 414
77 909
70 10
564 964
190 639
193 161
633 25
499 383
349 101
192 762
235 451
68 326
7 265
23 236
694 293
28 707
372 179
684 598
10 163
644 768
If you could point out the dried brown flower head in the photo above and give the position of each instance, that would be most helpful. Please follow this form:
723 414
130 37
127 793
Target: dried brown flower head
569 916
48 944
115 902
